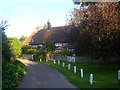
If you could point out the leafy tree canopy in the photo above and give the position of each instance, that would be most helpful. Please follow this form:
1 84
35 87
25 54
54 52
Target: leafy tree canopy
6 54
15 46
45 26
22 38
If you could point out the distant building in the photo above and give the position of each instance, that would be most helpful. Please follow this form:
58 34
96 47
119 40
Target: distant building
57 35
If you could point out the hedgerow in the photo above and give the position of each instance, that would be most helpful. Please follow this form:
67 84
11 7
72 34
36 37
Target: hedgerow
12 74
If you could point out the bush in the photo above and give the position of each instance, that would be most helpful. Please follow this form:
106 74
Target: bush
40 55
15 46
6 54
27 50
49 47
65 52
12 74
31 51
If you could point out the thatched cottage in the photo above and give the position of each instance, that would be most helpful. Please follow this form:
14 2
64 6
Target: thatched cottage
57 35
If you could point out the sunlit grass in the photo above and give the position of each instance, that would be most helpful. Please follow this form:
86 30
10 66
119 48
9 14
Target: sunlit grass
23 59
102 78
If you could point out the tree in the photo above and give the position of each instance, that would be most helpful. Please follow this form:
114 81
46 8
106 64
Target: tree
25 49
6 54
105 23
22 38
45 26
99 30
15 46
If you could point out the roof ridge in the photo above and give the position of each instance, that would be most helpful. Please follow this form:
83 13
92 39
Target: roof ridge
31 36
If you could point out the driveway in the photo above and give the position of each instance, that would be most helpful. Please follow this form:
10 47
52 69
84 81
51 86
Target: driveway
43 76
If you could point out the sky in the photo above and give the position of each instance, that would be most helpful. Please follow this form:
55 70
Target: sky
24 16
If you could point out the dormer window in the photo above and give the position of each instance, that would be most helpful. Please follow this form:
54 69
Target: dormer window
32 40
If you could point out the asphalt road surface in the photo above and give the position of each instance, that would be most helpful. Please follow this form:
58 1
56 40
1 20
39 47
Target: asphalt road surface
43 76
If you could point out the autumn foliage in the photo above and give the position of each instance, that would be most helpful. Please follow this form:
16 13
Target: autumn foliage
99 30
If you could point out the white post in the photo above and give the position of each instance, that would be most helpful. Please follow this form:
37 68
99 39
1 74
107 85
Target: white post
118 74
63 64
32 57
74 69
91 78
69 66
46 60
81 73
54 61
58 62
40 60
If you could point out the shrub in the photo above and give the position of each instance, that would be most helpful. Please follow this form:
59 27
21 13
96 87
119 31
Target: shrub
40 55
31 51
12 74
65 52
49 47
6 54
27 50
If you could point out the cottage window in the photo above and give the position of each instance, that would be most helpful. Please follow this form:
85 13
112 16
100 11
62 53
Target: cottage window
40 45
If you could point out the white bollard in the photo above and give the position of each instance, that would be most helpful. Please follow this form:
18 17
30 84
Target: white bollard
69 66
54 61
118 74
91 78
58 62
46 60
81 73
74 69
63 64
32 57
40 60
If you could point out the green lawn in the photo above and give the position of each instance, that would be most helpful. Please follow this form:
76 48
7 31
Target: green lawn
102 78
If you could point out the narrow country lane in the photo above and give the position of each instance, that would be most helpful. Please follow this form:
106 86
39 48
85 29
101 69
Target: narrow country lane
43 76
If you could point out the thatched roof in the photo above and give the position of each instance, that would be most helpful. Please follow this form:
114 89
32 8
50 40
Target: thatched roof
56 34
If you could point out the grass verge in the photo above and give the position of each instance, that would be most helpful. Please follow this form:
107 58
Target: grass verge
102 78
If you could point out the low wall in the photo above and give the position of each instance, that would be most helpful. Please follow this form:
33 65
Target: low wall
86 59
83 59
26 56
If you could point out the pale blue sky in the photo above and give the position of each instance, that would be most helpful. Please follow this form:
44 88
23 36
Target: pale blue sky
25 15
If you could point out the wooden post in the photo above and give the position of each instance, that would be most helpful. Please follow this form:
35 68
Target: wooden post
74 69
63 64
54 61
58 62
40 60
91 78
81 73
69 66
46 60
32 57
118 74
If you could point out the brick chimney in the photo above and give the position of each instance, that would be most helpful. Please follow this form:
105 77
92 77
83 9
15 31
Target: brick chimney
48 25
